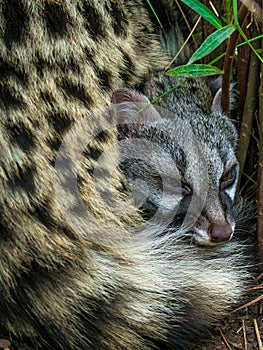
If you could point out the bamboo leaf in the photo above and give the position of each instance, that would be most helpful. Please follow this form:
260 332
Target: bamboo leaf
154 12
203 11
194 70
212 42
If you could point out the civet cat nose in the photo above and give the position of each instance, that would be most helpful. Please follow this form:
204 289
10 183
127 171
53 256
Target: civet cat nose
220 232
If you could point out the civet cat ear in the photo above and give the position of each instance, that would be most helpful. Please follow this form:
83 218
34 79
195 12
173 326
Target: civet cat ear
128 95
133 110
215 86
131 106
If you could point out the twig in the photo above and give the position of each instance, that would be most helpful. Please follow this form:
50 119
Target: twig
213 8
248 304
224 340
186 22
245 334
260 276
260 346
185 43
257 287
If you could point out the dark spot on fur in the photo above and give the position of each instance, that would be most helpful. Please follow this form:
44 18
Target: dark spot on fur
119 20
68 233
73 65
16 21
77 91
92 152
60 122
89 55
7 70
54 143
9 98
103 136
43 213
41 64
22 136
24 179
95 152
129 69
105 79
4 221
93 21
57 19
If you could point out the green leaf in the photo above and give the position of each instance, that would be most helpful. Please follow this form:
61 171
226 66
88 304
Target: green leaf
203 11
212 42
154 12
194 70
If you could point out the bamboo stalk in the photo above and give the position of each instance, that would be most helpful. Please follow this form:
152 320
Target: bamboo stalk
228 62
249 110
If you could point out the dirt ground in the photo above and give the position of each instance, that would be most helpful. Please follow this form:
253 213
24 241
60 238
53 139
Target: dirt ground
241 330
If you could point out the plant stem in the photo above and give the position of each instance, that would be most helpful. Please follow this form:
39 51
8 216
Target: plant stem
229 62
260 171
249 111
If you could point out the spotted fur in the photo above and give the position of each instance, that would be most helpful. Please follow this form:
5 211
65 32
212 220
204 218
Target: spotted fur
59 62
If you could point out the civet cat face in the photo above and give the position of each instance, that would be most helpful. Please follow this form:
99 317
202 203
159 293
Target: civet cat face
180 165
